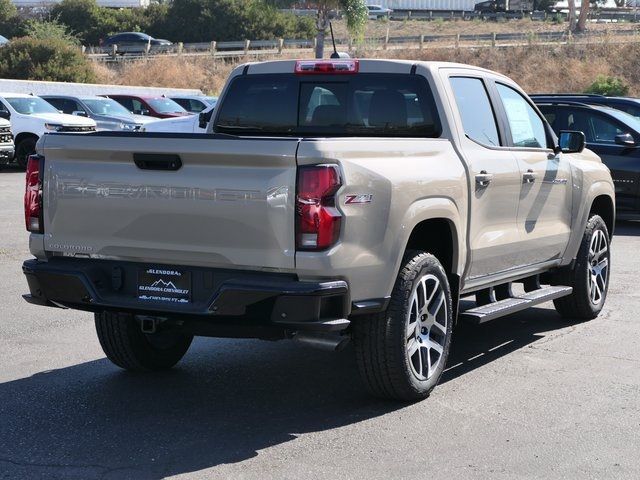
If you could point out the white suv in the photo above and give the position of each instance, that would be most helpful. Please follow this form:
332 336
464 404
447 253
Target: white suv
31 117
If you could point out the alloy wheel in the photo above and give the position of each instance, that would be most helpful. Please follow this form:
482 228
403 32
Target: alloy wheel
598 266
426 327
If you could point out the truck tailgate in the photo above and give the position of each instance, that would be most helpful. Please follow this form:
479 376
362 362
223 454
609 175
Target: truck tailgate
231 203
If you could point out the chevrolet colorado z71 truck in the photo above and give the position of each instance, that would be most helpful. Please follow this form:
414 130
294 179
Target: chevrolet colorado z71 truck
329 201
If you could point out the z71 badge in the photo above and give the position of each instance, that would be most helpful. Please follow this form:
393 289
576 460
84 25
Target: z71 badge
364 198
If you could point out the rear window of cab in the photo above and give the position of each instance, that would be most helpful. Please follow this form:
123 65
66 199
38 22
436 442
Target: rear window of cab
366 104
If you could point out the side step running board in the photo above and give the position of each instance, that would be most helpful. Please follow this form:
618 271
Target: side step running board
511 305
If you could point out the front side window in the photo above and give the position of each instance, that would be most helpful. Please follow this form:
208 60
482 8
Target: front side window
105 106
527 128
165 105
325 105
475 109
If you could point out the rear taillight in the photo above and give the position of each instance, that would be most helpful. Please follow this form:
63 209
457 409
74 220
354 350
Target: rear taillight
33 194
317 218
333 67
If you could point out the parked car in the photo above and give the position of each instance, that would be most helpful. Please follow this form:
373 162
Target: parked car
377 11
136 42
154 106
626 104
194 103
362 218
612 134
3 41
191 124
6 142
31 117
106 112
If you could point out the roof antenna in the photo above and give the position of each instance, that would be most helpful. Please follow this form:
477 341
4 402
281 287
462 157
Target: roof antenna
335 53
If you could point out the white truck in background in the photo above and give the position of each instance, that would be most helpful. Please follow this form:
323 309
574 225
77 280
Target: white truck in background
31 117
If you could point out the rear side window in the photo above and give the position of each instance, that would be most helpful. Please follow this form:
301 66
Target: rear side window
359 105
476 112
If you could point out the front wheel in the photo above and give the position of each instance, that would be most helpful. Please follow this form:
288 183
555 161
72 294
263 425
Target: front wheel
124 343
402 352
589 276
25 148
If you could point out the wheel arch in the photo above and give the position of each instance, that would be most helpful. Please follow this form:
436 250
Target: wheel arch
439 237
22 135
604 206
598 199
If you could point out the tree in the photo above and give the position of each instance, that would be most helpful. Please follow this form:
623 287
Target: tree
206 20
51 59
581 26
8 17
572 15
355 13
86 19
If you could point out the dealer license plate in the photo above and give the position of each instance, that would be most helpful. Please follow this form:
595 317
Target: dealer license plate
161 284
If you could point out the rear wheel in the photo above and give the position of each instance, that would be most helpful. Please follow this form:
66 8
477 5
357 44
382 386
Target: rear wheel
25 148
124 343
402 352
589 276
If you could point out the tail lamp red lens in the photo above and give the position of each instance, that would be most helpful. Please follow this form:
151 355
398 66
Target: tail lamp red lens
333 67
317 218
33 194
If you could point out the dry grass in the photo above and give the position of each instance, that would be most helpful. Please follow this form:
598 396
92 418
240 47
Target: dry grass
183 72
542 68
537 68
399 28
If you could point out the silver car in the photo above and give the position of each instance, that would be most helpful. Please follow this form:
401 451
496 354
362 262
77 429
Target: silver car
107 113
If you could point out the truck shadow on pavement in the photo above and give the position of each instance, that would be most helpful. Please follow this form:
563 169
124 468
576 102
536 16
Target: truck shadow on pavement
224 403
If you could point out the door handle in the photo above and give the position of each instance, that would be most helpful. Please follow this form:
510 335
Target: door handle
483 179
529 176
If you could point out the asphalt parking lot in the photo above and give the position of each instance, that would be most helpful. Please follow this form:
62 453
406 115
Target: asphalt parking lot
528 396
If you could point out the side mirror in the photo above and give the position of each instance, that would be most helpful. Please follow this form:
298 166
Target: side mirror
204 118
570 142
625 139
79 113
144 111
5 114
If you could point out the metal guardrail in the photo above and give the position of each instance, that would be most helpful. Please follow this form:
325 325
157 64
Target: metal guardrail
280 46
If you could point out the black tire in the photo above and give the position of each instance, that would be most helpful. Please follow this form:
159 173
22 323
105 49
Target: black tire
124 343
382 340
580 305
25 148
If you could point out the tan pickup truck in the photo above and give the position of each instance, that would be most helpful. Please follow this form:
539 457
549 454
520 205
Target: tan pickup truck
330 201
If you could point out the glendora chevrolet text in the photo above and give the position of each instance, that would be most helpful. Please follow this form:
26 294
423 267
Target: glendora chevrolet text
375 202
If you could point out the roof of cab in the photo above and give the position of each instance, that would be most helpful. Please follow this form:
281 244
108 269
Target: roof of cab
366 66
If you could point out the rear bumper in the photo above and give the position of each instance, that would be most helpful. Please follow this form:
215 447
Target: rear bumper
220 297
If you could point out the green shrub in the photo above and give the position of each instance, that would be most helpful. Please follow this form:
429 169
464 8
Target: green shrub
604 85
44 59
47 30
